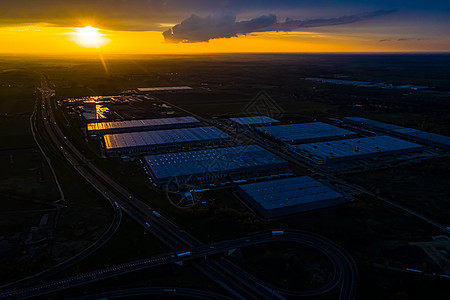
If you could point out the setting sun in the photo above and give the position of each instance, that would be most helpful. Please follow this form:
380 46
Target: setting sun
90 37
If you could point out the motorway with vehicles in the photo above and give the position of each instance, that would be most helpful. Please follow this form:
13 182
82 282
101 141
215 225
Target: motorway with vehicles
344 271
151 291
232 278
48 119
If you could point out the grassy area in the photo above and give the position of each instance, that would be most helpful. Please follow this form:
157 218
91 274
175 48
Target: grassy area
287 265
84 218
131 242
376 284
421 186
371 230
167 275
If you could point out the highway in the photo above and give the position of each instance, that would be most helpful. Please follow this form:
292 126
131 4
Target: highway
152 291
173 236
48 119
227 275
344 270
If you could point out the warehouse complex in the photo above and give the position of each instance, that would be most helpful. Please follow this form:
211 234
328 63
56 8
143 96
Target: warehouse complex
306 132
160 141
253 121
204 166
351 149
140 125
287 196
408 133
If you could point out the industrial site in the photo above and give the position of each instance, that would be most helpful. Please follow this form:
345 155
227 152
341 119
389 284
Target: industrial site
252 155
226 177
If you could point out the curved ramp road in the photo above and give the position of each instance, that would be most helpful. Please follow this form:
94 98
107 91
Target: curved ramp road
46 94
152 291
344 271
230 277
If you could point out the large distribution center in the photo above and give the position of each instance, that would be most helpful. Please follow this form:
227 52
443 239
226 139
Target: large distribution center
204 166
140 125
256 120
360 148
291 195
372 124
424 137
306 132
409 133
162 140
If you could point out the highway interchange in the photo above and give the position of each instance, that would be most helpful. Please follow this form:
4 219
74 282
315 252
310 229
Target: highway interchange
239 283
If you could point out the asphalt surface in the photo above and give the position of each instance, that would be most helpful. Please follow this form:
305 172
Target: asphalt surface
344 271
48 119
232 278
151 291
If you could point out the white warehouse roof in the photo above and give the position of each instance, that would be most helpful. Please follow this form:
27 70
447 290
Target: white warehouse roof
305 132
353 148
254 120
140 123
290 195
162 137
210 161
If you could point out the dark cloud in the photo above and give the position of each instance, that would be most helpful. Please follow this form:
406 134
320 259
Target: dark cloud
198 29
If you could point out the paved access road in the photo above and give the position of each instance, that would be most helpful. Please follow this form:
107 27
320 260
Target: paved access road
232 278
344 271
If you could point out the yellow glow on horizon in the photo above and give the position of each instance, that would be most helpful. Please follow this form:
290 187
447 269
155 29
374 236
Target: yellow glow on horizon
45 39
90 37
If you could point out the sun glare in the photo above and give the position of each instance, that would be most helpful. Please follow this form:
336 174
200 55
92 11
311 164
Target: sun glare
90 37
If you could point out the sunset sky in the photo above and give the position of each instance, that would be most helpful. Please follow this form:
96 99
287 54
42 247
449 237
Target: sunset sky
222 26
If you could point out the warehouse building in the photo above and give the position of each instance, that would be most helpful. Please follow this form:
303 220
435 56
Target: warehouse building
415 135
165 89
424 137
160 141
140 125
372 124
287 196
352 149
254 121
306 132
205 166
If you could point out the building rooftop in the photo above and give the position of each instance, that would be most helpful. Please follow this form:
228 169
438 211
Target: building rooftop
210 161
423 135
140 123
165 88
162 137
254 120
355 147
298 133
373 123
289 192
414 134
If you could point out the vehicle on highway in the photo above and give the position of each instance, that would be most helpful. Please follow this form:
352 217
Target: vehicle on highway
147 224
277 232
157 214
183 254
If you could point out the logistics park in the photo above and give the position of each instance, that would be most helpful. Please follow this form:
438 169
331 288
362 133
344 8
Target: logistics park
274 169
209 191
188 155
